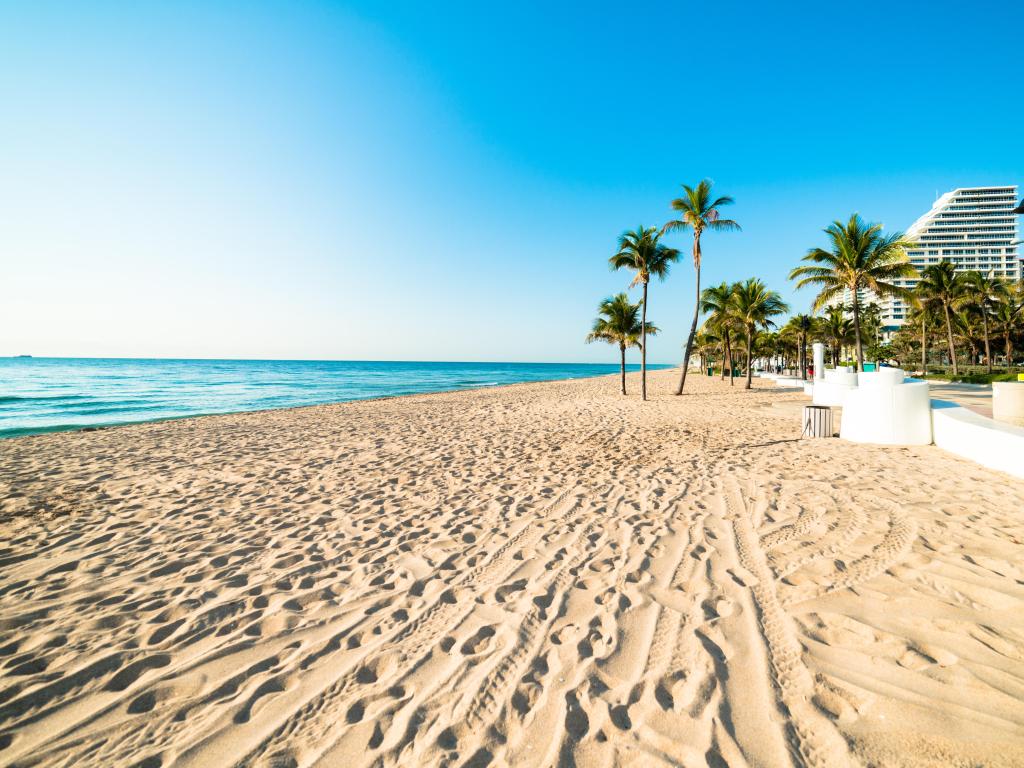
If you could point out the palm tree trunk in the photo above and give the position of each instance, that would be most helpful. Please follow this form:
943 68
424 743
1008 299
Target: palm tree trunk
1009 351
725 352
696 313
643 346
949 339
988 349
728 351
732 364
803 355
924 349
749 355
622 366
856 332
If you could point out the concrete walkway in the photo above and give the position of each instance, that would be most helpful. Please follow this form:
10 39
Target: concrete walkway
976 397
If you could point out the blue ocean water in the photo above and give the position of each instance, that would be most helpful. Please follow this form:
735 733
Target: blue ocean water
50 394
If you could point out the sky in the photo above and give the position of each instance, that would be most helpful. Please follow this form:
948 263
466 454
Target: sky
446 181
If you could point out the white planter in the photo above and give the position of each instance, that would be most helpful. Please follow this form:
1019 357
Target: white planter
888 409
1008 402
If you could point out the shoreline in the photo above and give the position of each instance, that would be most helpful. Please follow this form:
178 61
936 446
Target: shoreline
104 426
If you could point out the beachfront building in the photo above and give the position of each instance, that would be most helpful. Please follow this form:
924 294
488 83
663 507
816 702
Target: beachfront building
973 227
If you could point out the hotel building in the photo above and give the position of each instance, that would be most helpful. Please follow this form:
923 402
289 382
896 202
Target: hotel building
975 228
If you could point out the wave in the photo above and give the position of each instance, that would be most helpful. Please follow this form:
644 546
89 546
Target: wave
54 395
41 398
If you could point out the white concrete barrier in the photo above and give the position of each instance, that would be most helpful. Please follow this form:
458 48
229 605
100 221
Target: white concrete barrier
968 434
833 388
888 409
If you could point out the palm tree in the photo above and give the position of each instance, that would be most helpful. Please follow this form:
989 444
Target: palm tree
771 347
640 251
967 324
924 312
753 307
835 328
788 345
861 257
983 292
1007 316
943 285
705 343
618 323
871 322
716 302
698 211
801 326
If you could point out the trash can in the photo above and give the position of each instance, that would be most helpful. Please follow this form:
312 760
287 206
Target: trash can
711 371
817 421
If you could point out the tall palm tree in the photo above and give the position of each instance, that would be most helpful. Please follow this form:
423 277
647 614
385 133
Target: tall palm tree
698 211
641 252
861 257
618 322
754 306
716 303
836 328
801 326
943 285
983 292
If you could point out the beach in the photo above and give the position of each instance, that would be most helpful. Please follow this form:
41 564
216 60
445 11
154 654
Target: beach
529 575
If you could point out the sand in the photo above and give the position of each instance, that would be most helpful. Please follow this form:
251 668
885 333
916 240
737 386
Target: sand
536 575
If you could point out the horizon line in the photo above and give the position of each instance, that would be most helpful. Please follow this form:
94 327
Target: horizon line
310 360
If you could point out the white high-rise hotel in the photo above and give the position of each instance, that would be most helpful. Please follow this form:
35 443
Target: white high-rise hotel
974 227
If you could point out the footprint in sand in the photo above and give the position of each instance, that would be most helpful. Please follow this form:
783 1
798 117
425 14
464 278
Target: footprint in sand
478 642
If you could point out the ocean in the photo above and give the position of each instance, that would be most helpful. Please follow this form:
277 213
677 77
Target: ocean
52 394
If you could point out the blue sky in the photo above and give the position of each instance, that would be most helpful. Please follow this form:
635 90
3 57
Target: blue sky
398 180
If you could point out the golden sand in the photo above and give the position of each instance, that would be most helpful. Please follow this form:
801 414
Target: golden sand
536 575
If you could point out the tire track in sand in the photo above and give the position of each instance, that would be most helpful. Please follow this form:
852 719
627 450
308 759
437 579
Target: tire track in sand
814 741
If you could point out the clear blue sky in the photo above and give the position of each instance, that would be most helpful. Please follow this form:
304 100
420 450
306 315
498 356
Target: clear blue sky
391 180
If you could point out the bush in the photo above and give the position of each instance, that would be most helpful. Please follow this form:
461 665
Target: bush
971 378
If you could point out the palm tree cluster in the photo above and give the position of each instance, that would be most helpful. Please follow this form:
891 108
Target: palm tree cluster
970 315
739 313
642 252
967 313
965 308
